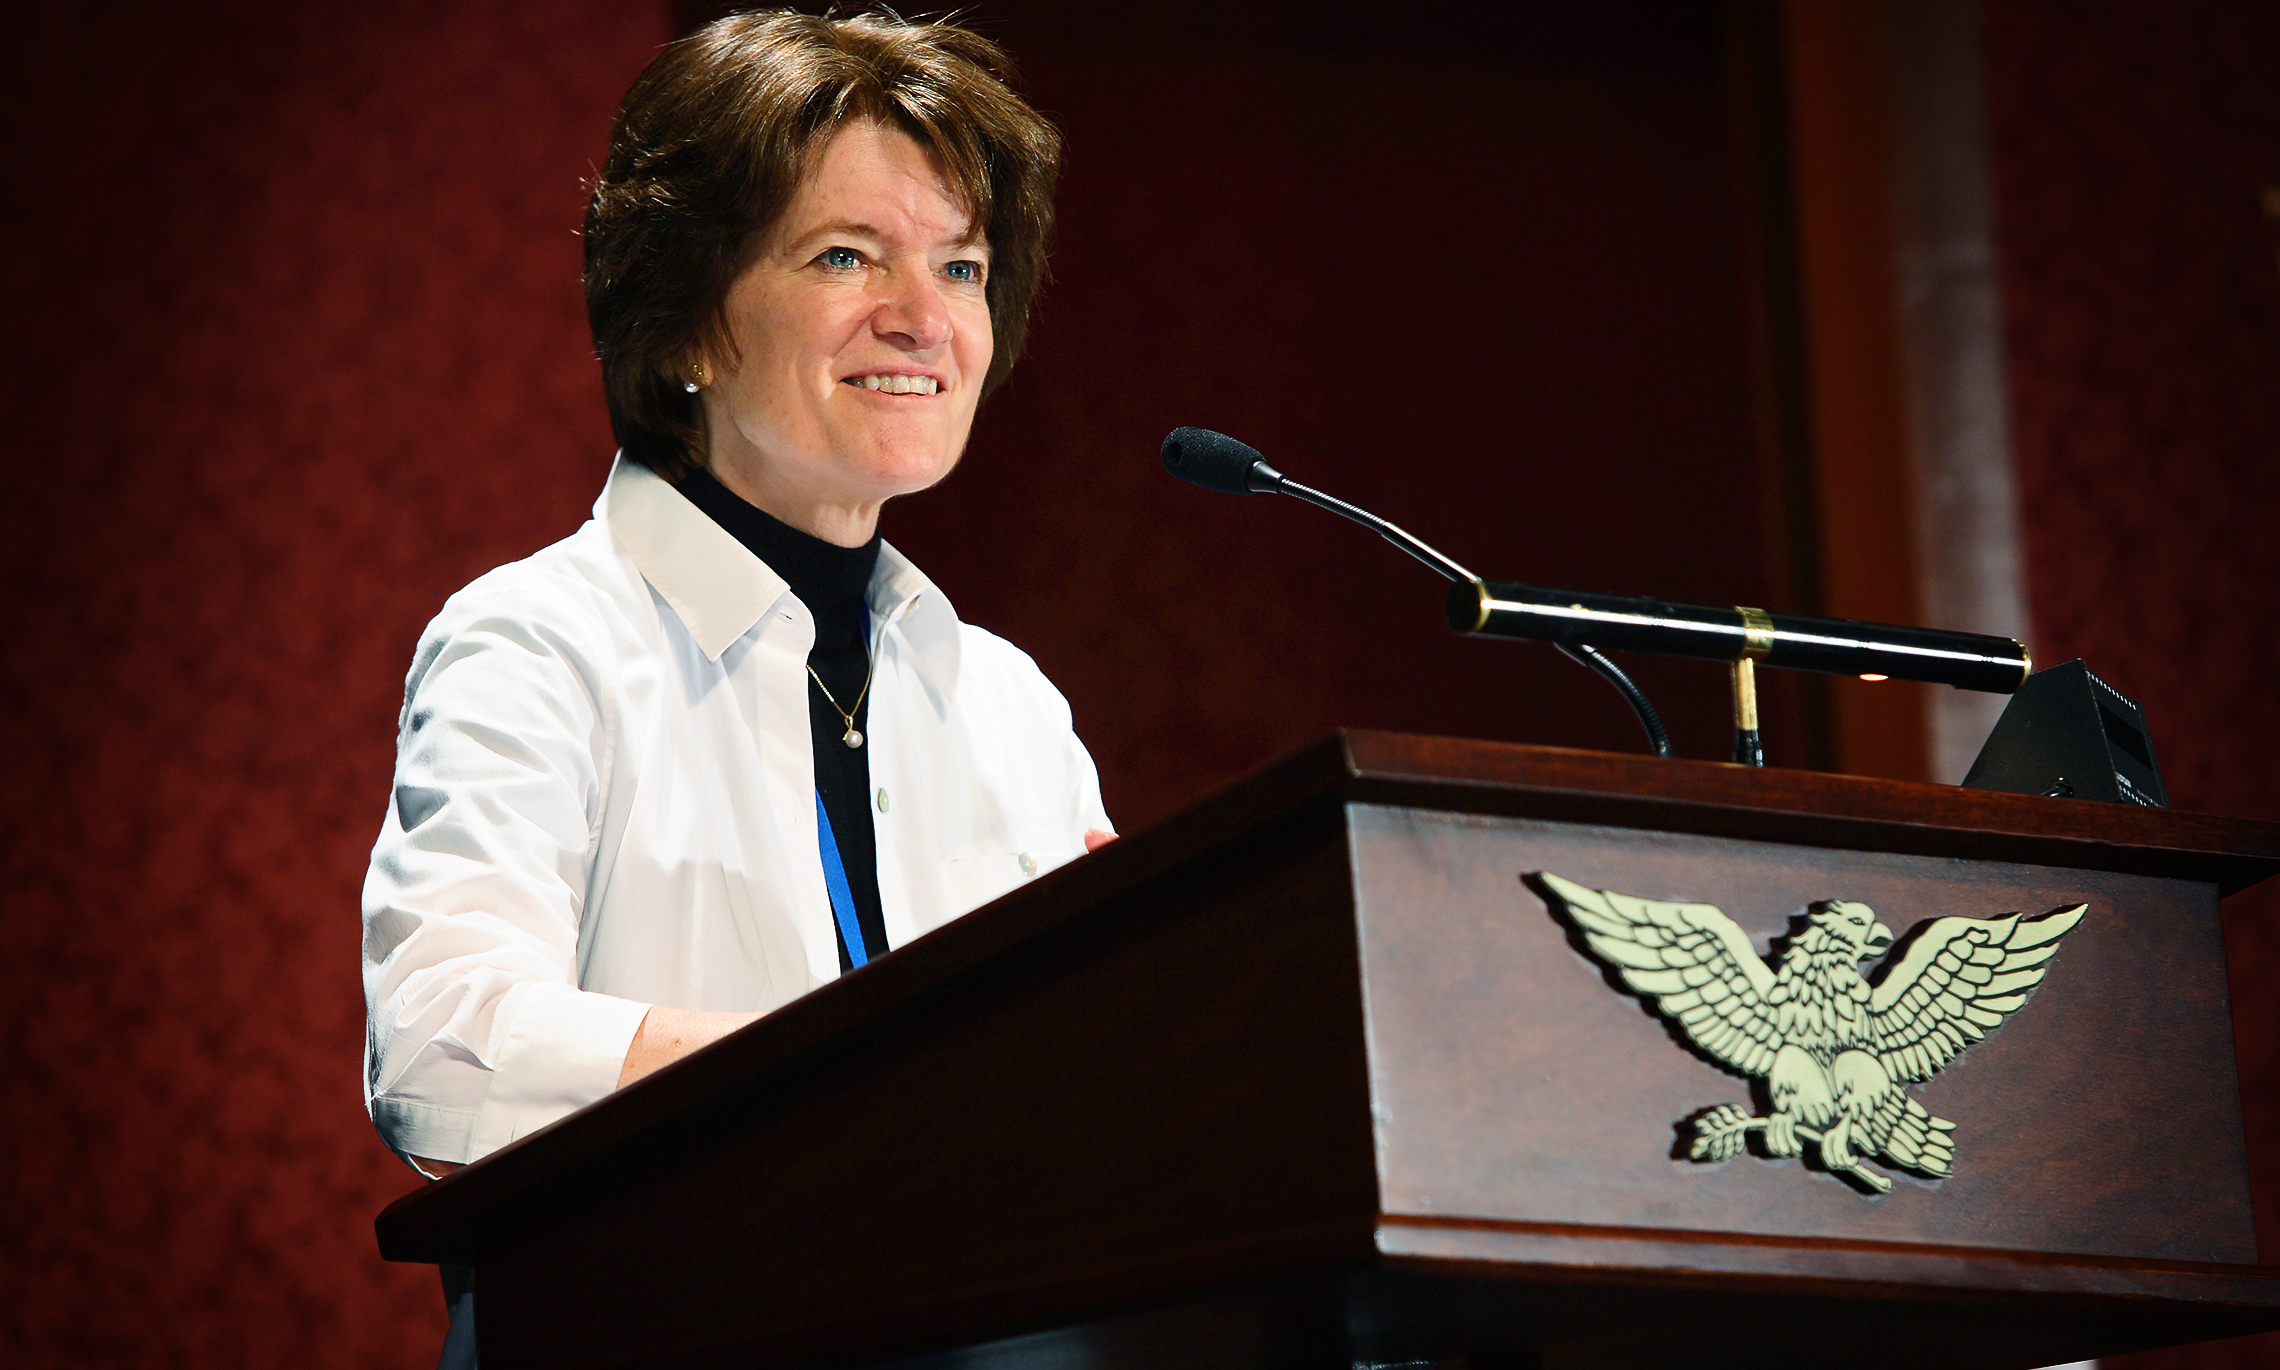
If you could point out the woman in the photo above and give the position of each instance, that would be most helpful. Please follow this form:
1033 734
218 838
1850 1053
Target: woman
723 744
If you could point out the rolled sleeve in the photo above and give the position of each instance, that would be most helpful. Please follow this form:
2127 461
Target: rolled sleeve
477 1030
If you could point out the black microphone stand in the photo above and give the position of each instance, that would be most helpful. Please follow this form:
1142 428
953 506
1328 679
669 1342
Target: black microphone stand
1580 622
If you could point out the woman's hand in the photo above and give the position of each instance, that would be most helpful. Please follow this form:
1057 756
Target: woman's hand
1096 838
668 1034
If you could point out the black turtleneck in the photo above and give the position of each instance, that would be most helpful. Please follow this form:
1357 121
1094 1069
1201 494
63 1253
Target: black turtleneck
832 582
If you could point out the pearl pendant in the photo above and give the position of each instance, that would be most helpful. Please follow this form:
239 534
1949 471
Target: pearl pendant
853 739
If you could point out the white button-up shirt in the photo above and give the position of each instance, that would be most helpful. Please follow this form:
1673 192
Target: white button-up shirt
605 799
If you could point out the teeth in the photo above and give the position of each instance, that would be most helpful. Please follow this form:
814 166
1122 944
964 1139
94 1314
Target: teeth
902 385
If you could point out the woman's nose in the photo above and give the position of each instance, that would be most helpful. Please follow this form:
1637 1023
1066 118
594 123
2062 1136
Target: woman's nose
912 316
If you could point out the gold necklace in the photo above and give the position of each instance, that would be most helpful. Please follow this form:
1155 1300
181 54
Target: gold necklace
852 738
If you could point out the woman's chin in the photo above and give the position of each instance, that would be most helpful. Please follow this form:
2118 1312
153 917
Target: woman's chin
905 470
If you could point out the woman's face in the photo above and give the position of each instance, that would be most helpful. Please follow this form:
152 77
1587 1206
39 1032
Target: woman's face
864 336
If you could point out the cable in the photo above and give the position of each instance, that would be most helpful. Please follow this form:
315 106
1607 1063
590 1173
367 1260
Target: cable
1632 694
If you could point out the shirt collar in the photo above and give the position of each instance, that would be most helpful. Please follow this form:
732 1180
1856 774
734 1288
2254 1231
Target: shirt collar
717 587
831 580
720 589
904 600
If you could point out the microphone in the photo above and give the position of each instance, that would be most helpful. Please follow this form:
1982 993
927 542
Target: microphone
1967 661
1218 462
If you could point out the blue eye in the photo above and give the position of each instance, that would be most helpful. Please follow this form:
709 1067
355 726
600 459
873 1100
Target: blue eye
963 271
841 258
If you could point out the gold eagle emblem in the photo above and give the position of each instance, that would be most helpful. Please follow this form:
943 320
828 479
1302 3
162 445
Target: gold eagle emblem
1836 1048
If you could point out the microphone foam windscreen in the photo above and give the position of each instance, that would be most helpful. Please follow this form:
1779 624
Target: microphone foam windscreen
1211 460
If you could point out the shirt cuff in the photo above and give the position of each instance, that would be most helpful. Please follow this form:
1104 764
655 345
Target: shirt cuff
555 1049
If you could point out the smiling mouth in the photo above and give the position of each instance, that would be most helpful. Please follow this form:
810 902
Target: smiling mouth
895 384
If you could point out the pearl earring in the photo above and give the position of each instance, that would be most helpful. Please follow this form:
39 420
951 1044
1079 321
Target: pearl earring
690 386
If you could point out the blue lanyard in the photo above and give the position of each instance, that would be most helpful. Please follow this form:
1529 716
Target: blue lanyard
835 879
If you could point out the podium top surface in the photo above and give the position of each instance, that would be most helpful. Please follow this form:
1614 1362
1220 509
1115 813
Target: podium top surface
442 1221
1810 808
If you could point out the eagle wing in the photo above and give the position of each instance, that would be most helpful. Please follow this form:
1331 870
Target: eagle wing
1957 982
1689 960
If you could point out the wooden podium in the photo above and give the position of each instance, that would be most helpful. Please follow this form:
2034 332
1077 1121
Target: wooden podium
1308 1076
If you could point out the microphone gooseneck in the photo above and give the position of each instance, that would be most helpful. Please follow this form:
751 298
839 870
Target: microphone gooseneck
1216 461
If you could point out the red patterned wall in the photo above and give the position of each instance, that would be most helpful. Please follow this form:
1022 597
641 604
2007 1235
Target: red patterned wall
295 349
2133 145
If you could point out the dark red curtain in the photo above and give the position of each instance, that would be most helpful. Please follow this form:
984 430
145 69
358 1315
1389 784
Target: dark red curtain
1492 291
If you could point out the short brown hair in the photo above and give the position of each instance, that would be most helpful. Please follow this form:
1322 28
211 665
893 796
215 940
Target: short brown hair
718 134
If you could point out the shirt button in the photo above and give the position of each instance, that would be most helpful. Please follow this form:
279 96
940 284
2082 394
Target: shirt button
882 801
1028 863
